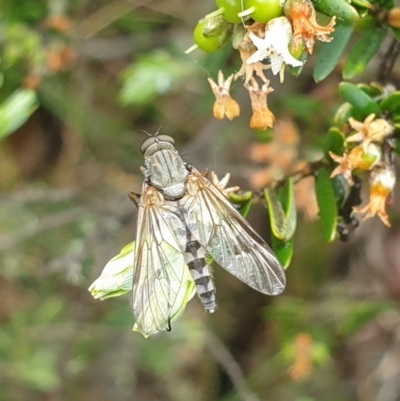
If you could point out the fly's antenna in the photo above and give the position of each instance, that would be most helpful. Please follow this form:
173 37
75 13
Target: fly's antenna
148 133
158 131
152 135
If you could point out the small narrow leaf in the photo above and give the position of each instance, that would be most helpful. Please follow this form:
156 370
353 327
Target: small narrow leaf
334 142
242 201
373 89
276 214
16 110
351 317
358 99
286 197
326 203
361 4
330 52
365 49
343 113
362 7
150 76
296 71
341 189
387 4
391 104
283 250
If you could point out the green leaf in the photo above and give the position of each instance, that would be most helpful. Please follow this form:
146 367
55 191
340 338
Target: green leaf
391 104
341 189
339 8
38 369
343 113
296 71
48 310
286 197
283 217
362 7
334 142
351 317
276 214
373 89
326 203
15 110
386 4
358 99
283 250
242 201
361 4
365 49
330 52
151 76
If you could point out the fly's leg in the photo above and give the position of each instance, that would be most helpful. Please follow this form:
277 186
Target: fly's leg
135 198
169 328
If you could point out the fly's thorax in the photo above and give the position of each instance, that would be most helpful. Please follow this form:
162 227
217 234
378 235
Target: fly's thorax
166 170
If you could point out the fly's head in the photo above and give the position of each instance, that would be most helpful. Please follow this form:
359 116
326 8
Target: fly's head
164 168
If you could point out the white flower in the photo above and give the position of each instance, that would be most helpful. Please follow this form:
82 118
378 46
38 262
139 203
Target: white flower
278 33
116 278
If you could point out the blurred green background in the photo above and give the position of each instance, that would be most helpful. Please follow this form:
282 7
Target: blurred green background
96 73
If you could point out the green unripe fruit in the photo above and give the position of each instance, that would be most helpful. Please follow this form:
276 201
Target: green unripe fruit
209 44
230 10
263 10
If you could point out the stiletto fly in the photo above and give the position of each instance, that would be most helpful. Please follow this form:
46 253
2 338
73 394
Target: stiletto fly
185 221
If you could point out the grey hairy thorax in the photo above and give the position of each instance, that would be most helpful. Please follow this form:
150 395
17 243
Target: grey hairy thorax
166 170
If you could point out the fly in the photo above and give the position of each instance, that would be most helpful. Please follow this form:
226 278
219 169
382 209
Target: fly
183 221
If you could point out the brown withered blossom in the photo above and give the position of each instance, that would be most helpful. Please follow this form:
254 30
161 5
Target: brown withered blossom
60 23
280 155
356 158
306 201
305 26
258 28
371 130
302 365
382 182
60 59
222 183
248 70
262 117
224 104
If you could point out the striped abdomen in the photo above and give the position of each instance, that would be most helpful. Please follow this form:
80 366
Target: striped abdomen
194 258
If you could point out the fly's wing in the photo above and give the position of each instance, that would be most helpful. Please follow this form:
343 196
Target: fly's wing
229 239
162 284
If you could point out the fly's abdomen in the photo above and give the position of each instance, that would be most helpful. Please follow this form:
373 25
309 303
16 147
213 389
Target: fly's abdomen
194 258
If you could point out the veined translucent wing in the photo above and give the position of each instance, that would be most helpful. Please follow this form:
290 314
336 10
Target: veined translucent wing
162 283
229 239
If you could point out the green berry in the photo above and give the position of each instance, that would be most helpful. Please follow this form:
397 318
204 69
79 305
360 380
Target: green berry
209 44
230 10
264 10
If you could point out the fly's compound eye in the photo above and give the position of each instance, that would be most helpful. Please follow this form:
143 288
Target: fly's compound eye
147 143
152 140
166 138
